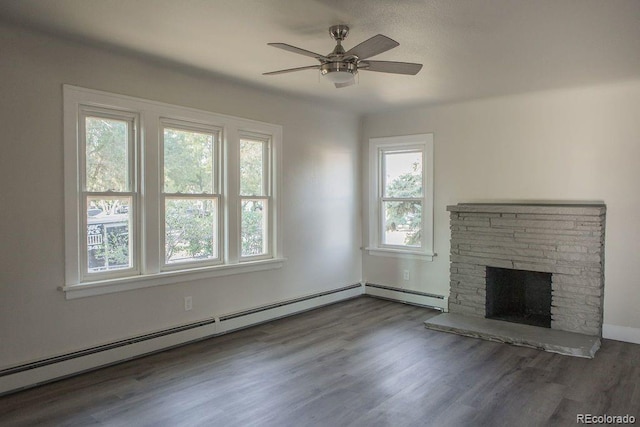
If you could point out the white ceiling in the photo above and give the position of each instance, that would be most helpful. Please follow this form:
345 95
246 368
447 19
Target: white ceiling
469 48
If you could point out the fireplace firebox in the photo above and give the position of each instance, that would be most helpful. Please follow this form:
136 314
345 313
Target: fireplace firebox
519 296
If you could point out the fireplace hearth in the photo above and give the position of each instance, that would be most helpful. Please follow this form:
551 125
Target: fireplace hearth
561 246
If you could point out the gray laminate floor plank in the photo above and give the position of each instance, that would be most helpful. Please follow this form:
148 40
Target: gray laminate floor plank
362 362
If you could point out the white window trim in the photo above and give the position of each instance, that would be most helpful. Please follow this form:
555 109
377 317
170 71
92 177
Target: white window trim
104 287
152 272
424 142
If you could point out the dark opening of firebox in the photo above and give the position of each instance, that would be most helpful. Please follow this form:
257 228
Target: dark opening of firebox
519 296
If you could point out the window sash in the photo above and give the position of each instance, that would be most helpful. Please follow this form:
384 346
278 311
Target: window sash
383 169
383 224
132 142
218 235
265 140
186 126
132 236
267 234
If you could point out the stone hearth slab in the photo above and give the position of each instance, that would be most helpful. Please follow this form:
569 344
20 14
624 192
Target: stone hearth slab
555 341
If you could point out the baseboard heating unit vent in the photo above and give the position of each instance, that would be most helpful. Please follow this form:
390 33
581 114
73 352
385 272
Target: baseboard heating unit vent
54 368
439 302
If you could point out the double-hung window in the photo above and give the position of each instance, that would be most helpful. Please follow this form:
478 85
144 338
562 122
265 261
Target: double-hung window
255 196
159 194
109 192
401 196
190 194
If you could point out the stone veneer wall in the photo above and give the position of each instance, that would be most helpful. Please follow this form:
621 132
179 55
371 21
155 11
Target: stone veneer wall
565 240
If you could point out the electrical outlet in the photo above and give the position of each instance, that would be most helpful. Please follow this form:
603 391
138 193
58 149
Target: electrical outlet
405 275
188 303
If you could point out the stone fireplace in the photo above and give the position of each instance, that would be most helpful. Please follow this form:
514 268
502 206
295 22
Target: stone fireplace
519 246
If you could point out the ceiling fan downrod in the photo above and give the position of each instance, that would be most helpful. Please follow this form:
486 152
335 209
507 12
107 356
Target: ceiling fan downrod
338 33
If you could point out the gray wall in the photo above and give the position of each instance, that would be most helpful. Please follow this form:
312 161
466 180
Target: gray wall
321 191
566 145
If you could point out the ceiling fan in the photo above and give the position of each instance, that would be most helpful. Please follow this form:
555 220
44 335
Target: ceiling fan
340 66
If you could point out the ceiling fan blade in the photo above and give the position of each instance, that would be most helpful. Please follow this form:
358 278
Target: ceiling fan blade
390 67
345 84
291 70
373 46
298 50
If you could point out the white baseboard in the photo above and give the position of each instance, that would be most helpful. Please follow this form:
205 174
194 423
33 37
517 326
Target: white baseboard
621 333
75 365
46 370
241 320
439 302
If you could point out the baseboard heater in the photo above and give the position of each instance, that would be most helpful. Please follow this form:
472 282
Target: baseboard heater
439 302
58 367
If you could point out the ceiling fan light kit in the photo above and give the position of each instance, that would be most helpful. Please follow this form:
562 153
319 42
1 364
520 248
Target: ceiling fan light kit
339 72
340 67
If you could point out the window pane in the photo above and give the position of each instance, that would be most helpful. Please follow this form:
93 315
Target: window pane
107 162
254 227
109 234
403 223
252 168
403 174
190 230
188 162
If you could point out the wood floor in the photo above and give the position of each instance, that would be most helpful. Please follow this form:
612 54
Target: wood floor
363 362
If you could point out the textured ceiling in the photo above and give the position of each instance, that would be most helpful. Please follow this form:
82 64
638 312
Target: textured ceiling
470 49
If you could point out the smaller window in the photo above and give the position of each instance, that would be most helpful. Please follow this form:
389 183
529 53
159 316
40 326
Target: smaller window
255 197
401 196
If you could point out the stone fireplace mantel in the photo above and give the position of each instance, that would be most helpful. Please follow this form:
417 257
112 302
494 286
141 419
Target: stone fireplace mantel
562 239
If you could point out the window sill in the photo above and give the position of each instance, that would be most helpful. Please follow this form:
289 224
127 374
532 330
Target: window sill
103 287
399 253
